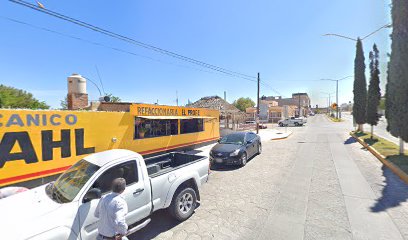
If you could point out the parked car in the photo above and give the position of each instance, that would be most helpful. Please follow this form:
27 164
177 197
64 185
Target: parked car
261 125
64 209
236 148
292 122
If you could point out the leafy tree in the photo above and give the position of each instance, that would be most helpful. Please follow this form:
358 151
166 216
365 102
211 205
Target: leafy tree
64 103
397 84
374 92
243 103
382 104
17 98
360 87
113 98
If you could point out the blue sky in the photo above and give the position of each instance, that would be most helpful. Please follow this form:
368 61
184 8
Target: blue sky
280 39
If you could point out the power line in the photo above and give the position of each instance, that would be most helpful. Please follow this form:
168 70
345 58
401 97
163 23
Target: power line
114 48
133 41
270 87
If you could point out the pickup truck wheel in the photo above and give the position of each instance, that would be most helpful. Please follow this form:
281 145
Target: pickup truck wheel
280 124
244 159
183 204
296 124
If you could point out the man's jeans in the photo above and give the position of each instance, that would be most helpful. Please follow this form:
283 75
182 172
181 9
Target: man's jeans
99 237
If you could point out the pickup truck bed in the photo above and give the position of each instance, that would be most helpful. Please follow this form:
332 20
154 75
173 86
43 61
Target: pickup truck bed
168 162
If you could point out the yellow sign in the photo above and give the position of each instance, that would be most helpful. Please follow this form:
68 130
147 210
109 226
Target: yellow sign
35 144
157 110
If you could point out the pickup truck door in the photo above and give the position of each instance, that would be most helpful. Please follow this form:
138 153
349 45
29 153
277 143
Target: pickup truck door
136 194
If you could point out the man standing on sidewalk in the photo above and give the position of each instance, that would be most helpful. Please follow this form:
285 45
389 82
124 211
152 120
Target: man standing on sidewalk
111 211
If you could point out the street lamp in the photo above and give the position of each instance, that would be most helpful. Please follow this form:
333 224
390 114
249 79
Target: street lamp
337 91
389 25
328 103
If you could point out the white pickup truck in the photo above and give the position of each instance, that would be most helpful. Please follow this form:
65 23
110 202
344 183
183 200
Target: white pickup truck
292 122
64 209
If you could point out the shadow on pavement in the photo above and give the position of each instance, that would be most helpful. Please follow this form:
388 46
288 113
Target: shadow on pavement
350 140
161 222
394 193
224 168
195 151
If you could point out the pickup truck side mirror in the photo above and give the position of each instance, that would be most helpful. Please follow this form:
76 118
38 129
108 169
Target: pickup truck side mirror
93 193
250 141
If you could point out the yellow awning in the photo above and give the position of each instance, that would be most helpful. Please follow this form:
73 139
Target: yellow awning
175 117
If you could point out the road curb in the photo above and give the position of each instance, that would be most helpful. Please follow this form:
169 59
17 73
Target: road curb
281 138
394 168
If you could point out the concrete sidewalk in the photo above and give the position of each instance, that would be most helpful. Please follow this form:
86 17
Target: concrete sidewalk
274 134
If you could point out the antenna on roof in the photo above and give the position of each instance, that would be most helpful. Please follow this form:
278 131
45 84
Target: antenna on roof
100 80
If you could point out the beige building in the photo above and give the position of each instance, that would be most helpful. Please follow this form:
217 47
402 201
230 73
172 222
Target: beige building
273 109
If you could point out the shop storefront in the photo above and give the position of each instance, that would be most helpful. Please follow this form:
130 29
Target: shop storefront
37 144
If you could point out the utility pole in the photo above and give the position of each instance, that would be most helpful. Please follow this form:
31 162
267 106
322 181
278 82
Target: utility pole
337 91
257 106
299 104
329 101
337 99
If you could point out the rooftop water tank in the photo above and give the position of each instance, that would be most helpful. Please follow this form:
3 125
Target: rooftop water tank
76 84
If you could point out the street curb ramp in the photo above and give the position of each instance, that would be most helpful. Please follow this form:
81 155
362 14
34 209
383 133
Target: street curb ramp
395 169
281 138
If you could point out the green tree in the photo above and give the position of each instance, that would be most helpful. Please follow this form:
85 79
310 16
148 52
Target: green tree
113 98
360 87
382 104
397 84
64 103
374 92
243 103
17 98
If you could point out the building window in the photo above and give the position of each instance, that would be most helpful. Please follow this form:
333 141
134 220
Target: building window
276 114
149 128
191 125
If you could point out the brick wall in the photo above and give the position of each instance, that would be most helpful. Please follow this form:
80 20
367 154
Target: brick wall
77 101
114 107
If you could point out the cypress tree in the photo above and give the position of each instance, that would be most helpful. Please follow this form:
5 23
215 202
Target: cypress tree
360 87
397 85
374 94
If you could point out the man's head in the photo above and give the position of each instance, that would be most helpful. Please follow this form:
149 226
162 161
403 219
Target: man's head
118 185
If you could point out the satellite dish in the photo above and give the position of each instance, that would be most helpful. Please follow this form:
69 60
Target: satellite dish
106 99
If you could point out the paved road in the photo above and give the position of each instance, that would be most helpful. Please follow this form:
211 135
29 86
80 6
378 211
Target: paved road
318 184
